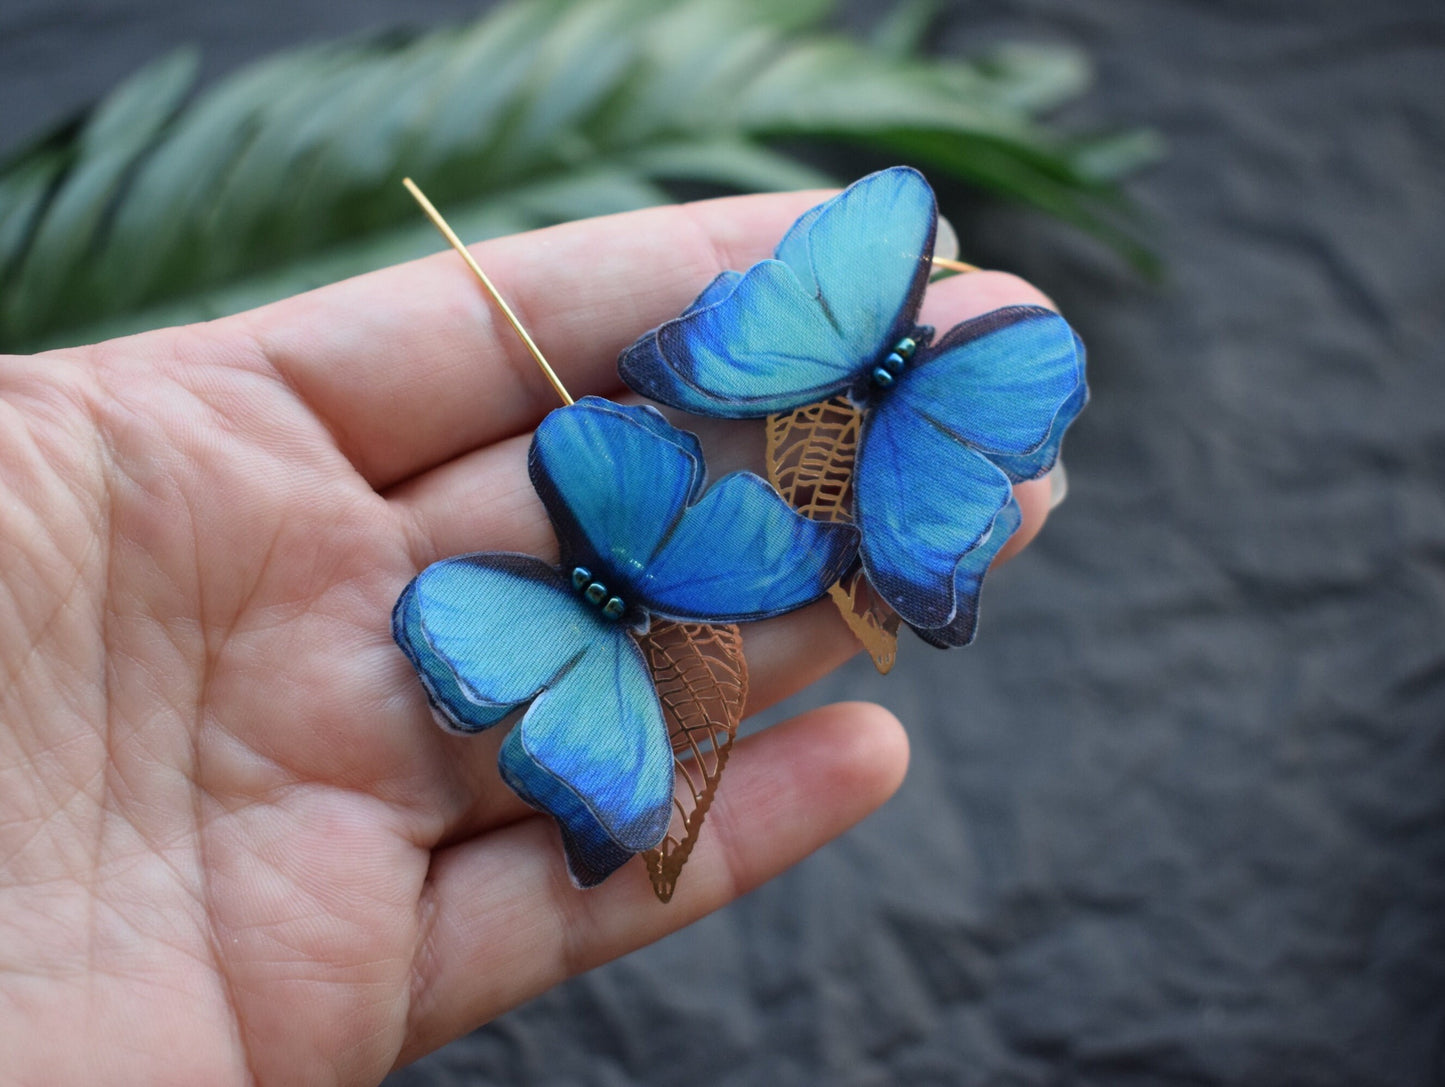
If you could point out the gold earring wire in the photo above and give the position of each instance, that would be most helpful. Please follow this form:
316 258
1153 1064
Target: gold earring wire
450 235
955 265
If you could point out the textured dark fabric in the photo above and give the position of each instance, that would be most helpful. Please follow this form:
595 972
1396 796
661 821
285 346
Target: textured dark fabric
1176 817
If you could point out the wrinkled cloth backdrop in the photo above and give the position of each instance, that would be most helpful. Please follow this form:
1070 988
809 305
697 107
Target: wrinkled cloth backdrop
1177 817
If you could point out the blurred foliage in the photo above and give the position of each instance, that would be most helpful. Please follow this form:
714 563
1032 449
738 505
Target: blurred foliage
163 205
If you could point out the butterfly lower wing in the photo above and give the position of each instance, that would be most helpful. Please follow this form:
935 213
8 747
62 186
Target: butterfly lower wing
968 582
592 751
702 681
924 500
811 453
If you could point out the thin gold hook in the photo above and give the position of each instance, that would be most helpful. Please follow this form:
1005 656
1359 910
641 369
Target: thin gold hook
456 243
955 265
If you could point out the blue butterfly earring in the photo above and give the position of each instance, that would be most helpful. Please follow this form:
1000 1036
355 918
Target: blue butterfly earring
870 421
627 655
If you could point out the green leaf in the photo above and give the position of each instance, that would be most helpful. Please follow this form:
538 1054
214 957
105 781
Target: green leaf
899 35
286 174
107 146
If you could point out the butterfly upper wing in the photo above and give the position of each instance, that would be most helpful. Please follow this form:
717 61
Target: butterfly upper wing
1004 383
844 286
1041 460
922 500
865 256
614 479
624 490
742 553
464 624
491 632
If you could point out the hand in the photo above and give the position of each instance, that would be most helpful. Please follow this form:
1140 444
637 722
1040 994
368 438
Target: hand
233 845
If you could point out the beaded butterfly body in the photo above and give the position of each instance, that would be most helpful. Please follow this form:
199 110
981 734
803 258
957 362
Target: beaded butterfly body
918 442
644 546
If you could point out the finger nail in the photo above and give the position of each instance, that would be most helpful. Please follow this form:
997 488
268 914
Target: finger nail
946 244
1058 485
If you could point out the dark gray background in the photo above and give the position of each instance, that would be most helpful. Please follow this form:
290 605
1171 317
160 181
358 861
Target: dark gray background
1177 817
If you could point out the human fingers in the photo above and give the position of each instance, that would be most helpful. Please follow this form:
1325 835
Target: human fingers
412 365
502 923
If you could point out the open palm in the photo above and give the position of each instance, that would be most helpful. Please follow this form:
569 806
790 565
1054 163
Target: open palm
233 846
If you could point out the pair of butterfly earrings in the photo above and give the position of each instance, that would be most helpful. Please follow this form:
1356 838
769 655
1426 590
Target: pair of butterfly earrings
892 457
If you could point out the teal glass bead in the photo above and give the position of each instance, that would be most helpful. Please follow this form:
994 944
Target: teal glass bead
882 378
580 577
596 593
614 608
906 347
894 363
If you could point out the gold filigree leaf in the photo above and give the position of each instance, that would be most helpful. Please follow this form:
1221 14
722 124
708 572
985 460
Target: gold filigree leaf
869 617
702 681
811 452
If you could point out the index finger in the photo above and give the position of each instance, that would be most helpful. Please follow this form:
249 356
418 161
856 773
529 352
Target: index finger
411 366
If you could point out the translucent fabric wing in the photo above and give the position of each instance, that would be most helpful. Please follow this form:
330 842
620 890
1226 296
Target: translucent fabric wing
1039 462
968 582
735 553
845 284
491 632
613 481
923 499
594 752
999 382
457 611
864 255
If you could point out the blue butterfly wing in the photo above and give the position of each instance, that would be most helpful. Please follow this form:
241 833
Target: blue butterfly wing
614 479
1041 460
593 752
721 286
464 624
742 553
491 632
968 581
922 501
1001 382
845 285
865 256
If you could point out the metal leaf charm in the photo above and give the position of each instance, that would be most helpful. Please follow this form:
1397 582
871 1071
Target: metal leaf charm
702 682
869 617
811 452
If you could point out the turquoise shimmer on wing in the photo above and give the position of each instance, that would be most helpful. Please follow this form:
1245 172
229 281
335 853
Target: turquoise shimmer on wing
761 557
490 632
